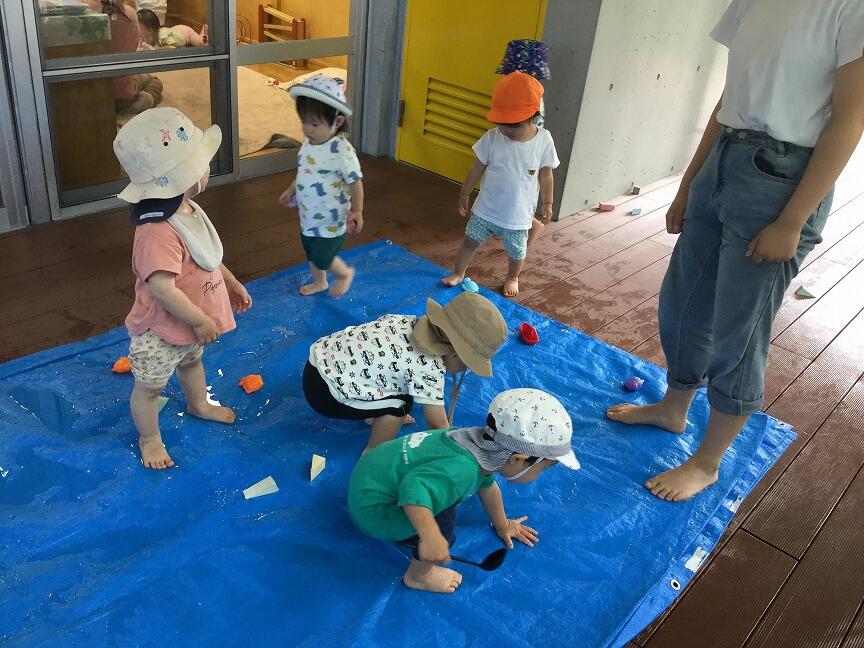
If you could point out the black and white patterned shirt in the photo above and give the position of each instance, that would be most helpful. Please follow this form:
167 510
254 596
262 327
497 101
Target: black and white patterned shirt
378 360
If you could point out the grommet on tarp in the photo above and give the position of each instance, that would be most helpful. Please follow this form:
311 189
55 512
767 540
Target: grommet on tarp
675 584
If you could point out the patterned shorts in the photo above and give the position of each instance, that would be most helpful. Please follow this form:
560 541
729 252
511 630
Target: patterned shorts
153 359
515 241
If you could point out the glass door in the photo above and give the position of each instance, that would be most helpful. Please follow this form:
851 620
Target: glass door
278 43
13 205
91 65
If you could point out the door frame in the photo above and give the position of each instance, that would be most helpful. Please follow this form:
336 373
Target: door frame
13 212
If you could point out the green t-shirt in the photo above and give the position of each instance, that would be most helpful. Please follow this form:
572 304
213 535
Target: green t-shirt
424 469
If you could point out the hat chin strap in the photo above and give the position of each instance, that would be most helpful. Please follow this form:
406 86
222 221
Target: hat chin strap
458 379
522 472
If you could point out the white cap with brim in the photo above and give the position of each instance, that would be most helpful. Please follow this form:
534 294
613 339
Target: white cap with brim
163 153
328 90
532 422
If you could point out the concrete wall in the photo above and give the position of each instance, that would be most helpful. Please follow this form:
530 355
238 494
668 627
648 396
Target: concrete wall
654 77
569 31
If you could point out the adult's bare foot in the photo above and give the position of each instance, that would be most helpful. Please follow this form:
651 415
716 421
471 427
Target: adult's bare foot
453 280
153 453
658 414
683 482
213 413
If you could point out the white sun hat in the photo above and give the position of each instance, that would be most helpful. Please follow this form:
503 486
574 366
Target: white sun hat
532 422
328 90
163 153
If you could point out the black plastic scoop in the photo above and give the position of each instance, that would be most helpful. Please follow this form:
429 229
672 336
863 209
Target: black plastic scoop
490 563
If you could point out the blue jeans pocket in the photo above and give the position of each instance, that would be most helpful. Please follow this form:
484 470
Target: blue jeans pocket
786 168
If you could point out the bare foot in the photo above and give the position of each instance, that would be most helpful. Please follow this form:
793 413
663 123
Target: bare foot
312 288
453 280
343 284
436 579
656 415
213 413
681 483
511 287
153 453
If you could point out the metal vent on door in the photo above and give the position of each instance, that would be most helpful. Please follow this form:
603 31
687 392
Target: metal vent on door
455 117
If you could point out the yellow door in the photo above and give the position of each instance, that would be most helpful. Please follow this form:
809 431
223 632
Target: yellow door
452 49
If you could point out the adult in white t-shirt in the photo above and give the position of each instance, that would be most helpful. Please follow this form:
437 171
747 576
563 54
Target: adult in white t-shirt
752 205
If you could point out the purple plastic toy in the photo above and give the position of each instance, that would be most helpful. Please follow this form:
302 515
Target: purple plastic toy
633 384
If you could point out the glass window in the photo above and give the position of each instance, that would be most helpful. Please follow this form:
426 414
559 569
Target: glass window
86 113
268 121
283 20
76 28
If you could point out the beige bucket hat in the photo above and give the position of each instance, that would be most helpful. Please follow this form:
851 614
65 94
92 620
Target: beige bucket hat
163 153
473 326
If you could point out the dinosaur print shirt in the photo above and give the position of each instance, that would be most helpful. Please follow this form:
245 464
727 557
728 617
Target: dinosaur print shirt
378 360
324 172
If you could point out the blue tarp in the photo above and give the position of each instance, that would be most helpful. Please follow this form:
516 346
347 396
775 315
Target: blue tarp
97 551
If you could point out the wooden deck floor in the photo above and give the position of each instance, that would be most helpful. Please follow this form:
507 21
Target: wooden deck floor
787 573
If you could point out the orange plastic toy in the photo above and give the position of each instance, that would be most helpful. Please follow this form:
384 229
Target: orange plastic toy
251 383
122 365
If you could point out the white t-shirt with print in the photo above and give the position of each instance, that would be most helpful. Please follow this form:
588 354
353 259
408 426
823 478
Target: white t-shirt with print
324 172
377 360
511 184
783 60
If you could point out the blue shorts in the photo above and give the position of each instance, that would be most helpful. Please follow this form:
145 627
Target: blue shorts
515 241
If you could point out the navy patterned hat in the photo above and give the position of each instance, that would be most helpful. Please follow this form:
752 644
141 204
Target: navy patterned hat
528 56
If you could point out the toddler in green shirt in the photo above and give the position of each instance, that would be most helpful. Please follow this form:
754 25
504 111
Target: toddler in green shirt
406 490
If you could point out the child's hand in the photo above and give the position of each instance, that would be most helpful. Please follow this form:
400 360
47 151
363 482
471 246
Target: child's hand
777 243
463 206
547 214
207 331
515 529
239 296
355 222
434 548
288 197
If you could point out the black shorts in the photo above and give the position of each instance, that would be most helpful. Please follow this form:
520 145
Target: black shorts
446 520
321 251
321 400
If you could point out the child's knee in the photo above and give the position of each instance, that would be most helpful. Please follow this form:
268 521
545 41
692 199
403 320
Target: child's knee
146 390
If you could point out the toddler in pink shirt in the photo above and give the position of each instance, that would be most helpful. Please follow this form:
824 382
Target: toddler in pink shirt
184 295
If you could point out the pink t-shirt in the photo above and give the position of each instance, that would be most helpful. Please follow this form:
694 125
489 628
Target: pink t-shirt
158 246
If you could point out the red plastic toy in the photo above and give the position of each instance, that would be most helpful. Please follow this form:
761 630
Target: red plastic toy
528 334
251 383
122 365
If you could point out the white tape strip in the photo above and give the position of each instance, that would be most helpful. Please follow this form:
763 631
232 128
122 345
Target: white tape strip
696 560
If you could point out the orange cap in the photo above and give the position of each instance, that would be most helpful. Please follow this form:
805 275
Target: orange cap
515 98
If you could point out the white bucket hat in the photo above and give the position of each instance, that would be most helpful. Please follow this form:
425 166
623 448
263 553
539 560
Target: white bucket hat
534 423
328 90
163 153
